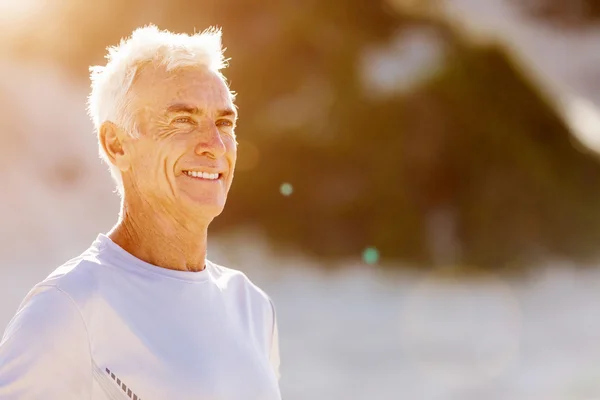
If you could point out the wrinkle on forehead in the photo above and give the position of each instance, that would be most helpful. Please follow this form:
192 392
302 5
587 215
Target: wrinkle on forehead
155 89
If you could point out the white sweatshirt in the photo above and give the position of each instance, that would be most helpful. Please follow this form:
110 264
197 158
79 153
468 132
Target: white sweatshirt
109 326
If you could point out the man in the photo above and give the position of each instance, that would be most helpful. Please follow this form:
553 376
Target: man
142 314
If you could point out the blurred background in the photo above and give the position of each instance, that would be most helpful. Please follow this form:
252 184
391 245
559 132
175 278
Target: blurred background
418 186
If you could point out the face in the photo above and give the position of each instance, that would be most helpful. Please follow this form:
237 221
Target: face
184 155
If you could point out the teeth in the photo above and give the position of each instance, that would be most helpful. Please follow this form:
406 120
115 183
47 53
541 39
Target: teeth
203 175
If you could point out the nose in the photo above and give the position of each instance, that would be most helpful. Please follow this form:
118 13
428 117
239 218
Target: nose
210 143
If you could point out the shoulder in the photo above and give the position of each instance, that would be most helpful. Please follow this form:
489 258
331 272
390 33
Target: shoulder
227 277
45 348
47 309
237 283
249 302
71 285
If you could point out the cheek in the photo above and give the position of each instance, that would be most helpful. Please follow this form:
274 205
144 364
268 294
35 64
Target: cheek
232 151
151 158
233 157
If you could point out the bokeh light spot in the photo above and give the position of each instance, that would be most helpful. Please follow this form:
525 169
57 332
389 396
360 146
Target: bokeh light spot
286 189
371 255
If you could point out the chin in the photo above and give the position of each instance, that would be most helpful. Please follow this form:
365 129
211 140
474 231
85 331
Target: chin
205 205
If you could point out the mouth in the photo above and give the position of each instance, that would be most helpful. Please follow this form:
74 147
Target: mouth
204 175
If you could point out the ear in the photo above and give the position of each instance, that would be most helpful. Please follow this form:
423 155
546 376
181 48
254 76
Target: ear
111 139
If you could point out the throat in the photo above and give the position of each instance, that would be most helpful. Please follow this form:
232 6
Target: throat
161 244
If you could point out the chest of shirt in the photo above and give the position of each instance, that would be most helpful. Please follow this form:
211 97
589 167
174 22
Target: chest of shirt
176 350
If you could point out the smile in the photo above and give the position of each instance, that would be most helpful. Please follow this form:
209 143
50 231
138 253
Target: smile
203 175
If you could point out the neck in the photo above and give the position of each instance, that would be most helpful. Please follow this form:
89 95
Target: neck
161 239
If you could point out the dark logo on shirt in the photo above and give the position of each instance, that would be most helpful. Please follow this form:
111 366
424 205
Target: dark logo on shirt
123 386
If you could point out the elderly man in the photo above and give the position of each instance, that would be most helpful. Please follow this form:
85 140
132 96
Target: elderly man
142 314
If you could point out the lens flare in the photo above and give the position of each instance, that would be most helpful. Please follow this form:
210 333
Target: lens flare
370 255
286 189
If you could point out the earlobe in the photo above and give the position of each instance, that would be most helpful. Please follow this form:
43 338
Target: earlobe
111 140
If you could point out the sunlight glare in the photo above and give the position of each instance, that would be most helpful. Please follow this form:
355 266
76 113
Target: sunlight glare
583 118
16 13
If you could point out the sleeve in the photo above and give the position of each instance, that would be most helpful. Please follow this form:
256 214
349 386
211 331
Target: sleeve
274 356
45 353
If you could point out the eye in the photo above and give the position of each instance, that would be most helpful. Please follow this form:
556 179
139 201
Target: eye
183 120
225 122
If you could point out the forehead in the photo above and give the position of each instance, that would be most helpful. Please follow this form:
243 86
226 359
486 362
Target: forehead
156 88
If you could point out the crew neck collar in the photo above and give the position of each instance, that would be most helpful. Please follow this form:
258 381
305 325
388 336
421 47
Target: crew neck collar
132 262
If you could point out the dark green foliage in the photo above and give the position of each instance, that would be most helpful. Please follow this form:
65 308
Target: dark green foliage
522 190
476 139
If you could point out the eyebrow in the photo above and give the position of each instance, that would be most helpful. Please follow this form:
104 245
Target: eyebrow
181 107
228 112
187 108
